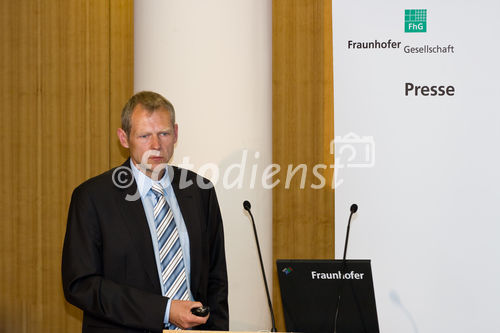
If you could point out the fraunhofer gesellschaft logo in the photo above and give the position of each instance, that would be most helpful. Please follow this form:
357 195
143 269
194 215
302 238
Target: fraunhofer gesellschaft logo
415 20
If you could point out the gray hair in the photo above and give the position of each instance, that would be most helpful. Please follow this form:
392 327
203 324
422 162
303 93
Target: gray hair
151 101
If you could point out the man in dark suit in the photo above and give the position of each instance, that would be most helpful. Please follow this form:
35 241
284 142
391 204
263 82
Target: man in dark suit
116 266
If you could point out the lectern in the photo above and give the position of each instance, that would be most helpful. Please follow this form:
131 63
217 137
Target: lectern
311 290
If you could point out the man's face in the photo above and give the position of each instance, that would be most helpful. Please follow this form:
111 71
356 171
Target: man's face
151 140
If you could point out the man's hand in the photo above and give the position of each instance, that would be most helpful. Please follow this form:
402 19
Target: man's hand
181 316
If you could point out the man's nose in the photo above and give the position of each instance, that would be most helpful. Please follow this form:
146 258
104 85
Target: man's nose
155 142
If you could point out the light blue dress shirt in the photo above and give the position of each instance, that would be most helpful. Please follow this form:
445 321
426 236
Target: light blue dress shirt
148 199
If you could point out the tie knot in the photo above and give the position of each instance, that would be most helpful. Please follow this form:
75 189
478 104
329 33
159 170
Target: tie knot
157 190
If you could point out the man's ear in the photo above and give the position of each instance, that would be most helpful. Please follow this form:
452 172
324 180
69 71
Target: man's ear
176 132
122 136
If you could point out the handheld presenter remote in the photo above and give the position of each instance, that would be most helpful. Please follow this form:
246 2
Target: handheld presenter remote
202 311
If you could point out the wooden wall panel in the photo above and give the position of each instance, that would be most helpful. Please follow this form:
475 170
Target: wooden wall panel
121 70
19 171
56 93
303 217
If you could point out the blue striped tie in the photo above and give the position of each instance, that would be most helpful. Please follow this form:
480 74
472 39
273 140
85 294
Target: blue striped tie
173 271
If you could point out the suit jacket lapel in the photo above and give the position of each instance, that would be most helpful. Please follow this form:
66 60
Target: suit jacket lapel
136 222
190 216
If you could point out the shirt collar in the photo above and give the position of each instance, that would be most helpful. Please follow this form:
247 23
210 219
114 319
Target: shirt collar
144 183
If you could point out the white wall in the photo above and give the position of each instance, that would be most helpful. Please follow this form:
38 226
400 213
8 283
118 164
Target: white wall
428 215
212 60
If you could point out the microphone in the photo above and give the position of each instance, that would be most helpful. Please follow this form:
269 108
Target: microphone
247 206
354 209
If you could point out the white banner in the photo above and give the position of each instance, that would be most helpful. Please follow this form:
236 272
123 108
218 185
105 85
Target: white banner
416 82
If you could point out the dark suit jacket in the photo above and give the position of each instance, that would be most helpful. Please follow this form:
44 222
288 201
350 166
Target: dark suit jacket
108 264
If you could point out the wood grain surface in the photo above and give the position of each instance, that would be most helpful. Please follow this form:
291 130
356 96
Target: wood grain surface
303 216
66 68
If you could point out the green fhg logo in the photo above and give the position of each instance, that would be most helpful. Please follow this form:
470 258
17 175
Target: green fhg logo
415 20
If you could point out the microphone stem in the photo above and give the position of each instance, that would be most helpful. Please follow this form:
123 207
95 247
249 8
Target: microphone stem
263 273
347 238
342 272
